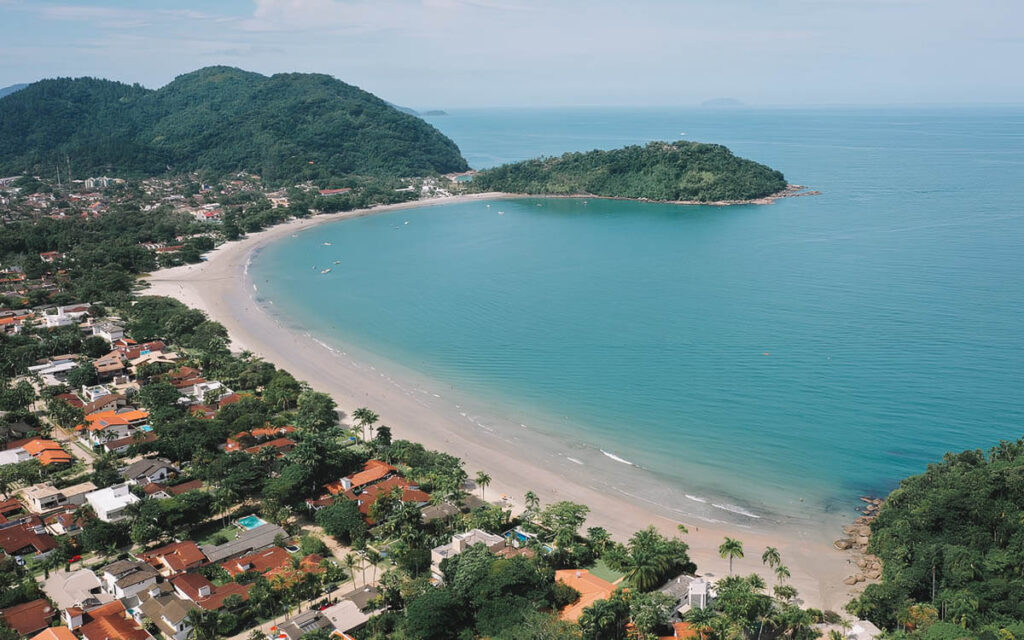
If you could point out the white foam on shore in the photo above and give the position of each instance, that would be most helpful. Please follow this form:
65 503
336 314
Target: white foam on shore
696 498
734 509
617 458
573 460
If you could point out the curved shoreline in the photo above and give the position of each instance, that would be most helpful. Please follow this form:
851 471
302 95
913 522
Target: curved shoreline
220 287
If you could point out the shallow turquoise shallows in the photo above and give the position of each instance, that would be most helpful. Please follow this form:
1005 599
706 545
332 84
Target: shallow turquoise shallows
821 347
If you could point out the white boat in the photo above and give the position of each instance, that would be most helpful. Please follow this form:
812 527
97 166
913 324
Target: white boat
325 271
327 244
337 262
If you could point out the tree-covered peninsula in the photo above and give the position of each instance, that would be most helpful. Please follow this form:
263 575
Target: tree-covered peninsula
676 171
951 542
288 127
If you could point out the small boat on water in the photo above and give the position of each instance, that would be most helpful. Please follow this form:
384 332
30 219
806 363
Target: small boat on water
327 244
337 262
328 270
406 222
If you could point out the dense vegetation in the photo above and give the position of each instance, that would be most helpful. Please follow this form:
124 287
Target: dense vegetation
287 128
657 171
952 545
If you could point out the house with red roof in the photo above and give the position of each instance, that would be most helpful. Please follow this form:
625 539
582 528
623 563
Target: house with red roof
102 426
402 488
374 471
111 622
47 452
198 589
29 618
244 439
27 539
175 558
263 561
281 446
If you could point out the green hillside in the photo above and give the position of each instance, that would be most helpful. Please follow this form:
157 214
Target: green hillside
285 127
657 171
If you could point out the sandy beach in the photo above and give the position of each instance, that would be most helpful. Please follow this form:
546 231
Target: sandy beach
415 411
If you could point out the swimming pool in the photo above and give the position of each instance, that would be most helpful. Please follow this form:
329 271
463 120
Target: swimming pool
145 428
251 522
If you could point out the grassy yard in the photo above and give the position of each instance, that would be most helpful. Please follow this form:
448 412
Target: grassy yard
603 571
210 531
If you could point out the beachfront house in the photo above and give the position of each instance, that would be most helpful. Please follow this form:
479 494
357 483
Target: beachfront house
460 542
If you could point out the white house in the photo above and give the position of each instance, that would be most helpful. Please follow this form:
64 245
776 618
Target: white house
108 331
125 578
460 542
41 498
110 503
14 456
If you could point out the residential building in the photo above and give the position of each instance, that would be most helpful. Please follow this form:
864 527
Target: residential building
41 498
148 470
29 618
110 504
108 331
374 471
460 542
159 491
352 610
126 578
262 562
121 445
55 633
168 611
47 452
303 623
175 558
198 589
74 592
247 541
116 424
111 622
27 539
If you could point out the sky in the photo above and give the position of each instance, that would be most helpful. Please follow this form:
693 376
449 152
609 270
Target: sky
520 53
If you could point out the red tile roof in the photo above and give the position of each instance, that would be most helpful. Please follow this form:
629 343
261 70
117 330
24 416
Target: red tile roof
371 494
177 556
283 446
28 618
55 633
263 561
112 627
373 471
14 539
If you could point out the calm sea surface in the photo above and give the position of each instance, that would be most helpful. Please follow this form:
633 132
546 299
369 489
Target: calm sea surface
764 359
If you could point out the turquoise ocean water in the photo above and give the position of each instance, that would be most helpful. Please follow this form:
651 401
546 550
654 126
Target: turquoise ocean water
775 360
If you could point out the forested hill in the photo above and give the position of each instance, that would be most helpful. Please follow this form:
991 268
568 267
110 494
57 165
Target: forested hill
658 171
285 127
951 542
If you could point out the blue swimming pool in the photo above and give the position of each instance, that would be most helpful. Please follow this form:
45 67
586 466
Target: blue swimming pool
251 522
145 428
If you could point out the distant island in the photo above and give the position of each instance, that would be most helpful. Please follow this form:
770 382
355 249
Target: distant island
288 127
662 171
722 103
6 91
434 112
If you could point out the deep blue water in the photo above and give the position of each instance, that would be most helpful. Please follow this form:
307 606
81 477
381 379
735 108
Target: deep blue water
819 348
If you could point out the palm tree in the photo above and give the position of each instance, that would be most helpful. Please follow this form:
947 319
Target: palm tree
532 502
482 480
203 623
731 548
375 560
782 573
784 592
350 562
365 418
682 528
771 557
